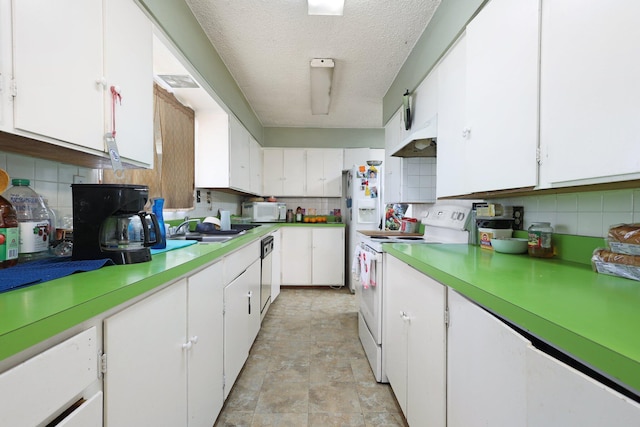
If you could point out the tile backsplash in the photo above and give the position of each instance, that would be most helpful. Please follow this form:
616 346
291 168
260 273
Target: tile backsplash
419 178
51 180
583 214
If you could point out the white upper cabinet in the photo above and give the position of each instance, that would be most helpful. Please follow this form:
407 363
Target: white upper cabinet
239 156
324 172
488 102
589 92
64 65
452 154
392 165
284 171
255 160
227 156
502 95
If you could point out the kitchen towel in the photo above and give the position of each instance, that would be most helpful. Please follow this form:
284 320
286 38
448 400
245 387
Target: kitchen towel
30 273
174 244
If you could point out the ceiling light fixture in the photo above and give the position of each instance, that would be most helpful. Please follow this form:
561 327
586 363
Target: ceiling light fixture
326 7
321 77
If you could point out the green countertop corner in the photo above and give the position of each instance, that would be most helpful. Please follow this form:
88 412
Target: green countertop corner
592 317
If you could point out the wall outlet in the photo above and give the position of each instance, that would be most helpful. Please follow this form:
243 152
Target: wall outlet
79 179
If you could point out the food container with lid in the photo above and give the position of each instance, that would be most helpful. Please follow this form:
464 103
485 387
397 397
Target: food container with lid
409 225
540 244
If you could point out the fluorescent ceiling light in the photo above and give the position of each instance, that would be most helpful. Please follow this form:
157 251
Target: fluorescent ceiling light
321 77
326 7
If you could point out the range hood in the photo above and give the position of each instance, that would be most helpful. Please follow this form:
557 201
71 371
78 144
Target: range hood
421 142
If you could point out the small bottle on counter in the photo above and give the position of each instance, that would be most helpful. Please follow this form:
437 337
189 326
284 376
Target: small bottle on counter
299 214
540 244
289 215
8 234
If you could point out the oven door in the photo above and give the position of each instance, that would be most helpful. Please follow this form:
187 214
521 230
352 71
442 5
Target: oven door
370 299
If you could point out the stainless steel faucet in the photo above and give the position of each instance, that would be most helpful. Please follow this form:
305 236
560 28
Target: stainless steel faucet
176 230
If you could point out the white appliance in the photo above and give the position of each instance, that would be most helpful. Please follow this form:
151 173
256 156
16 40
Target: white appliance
443 224
265 211
362 207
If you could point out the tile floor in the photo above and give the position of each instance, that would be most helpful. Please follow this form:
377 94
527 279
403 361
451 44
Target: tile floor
307 368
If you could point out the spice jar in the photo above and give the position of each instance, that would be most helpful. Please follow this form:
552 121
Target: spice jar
540 244
289 215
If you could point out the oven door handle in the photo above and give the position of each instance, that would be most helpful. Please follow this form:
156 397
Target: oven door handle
375 256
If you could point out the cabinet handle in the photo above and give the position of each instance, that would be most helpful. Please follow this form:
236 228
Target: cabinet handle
466 133
101 82
194 339
249 299
405 317
187 345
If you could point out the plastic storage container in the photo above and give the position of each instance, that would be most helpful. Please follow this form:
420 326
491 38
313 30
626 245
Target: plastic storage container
8 234
540 243
33 220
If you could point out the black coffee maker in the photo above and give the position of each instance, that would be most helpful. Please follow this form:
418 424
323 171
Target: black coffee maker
109 221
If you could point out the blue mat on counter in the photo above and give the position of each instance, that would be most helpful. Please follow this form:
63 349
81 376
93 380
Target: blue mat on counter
30 273
174 244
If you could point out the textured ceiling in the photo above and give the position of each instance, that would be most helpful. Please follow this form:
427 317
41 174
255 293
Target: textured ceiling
267 46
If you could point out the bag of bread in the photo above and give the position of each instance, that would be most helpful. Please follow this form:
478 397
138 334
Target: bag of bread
624 239
606 261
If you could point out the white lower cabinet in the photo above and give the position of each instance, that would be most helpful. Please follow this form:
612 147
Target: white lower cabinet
414 353
486 368
559 395
44 386
164 356
241 321
312 256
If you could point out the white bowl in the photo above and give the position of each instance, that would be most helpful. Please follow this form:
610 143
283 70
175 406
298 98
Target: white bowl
510 245
374 162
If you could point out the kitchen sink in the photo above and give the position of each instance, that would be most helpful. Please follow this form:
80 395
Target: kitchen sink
206 238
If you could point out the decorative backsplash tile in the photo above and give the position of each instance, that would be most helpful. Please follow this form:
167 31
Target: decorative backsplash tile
585 214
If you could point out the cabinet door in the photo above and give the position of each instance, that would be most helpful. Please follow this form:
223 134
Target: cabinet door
502 95
146 379
395 328
56 71
129 66
236 327
327 263
239 156
559 395
206 334
589 92
294 172
392 165
88 414
315 173
426 350
276 265
252 279
332 173
296 256
255 153
273 176
486 368
452 154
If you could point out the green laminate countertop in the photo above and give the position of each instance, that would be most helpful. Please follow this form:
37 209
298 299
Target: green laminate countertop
593 317
34 313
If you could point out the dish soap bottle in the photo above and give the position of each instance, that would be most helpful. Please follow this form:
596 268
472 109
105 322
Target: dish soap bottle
156 209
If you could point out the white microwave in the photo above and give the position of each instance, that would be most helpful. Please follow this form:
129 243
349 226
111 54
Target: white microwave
264 211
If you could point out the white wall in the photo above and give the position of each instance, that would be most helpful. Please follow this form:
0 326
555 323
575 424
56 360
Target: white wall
583 214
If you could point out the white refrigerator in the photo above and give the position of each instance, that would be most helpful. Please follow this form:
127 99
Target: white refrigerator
362 207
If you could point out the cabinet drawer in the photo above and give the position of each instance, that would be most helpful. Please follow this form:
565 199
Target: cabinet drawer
39 387
239 261
89 414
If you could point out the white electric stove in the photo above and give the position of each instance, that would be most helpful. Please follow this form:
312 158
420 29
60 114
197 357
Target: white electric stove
443 224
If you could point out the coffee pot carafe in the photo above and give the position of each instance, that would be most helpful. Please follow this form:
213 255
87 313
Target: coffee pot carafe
109 222
127 232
